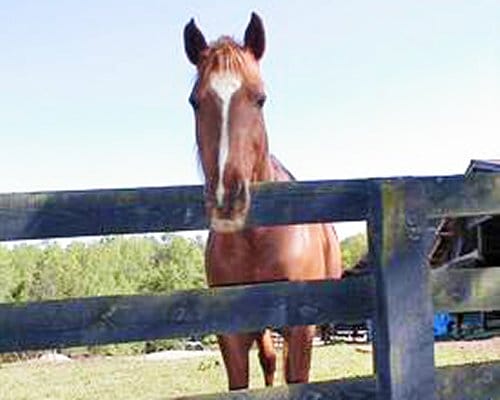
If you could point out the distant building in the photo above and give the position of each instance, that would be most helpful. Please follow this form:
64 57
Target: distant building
470 242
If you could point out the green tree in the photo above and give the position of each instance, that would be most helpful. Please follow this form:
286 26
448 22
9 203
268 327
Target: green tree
110 266
7 288
353 249
176 265
23 263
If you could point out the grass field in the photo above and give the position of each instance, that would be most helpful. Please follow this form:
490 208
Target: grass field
136 378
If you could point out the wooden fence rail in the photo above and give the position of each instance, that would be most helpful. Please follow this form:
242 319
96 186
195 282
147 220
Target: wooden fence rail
463 382
41 215
401 215
114 319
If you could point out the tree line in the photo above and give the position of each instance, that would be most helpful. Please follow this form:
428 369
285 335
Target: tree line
114 265
110 266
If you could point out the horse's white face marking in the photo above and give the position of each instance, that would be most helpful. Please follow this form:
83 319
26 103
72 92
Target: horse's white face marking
224 84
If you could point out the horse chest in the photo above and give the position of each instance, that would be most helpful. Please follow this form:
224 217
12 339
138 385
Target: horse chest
266 255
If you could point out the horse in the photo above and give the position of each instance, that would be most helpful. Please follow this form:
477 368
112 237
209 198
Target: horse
228 99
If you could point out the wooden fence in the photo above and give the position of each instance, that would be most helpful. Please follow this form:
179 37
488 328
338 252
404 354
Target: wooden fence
401 296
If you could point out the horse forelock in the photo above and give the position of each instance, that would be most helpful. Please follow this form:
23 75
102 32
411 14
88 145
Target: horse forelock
226 55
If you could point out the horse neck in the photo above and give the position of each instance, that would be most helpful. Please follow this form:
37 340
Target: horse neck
270 169
264 171
279 172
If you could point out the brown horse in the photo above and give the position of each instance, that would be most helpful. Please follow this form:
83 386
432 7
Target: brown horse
227 99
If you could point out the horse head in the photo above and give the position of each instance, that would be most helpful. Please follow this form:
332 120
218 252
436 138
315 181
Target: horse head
227 99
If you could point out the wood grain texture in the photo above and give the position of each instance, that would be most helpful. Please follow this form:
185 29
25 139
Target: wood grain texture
130 318
456 195
358 389
118 211
461 196
399 241
99 212
466 289
127 318
460 382
41 215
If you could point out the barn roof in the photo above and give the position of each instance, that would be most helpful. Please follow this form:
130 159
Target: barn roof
450 229
483 166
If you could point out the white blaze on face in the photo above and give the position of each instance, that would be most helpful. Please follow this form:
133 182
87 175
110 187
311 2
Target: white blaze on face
224 84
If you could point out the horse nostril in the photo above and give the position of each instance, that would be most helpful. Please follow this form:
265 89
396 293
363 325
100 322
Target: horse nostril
209 198
241 192
241 199
233 201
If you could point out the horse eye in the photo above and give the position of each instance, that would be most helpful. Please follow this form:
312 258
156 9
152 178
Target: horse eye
194 102
261 100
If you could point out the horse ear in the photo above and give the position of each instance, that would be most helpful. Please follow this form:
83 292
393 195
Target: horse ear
255 37
194 42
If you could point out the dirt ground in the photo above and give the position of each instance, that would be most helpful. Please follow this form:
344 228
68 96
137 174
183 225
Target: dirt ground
485 345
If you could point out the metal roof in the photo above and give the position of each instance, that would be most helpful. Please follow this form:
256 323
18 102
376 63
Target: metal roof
483 166
449 229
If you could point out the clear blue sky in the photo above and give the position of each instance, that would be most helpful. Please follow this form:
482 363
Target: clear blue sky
94 94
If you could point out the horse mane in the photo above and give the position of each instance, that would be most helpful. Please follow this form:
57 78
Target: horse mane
279 166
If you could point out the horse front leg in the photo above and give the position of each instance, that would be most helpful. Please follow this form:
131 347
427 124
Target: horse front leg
267 356
297 353
234 349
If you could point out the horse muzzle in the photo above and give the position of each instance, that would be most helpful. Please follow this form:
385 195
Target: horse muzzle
225 225
229 215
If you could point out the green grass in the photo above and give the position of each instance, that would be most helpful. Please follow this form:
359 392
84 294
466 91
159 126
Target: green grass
135 378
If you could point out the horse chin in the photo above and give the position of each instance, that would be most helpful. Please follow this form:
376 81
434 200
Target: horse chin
224 225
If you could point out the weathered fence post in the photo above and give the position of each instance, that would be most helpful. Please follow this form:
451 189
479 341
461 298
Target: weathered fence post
404 342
